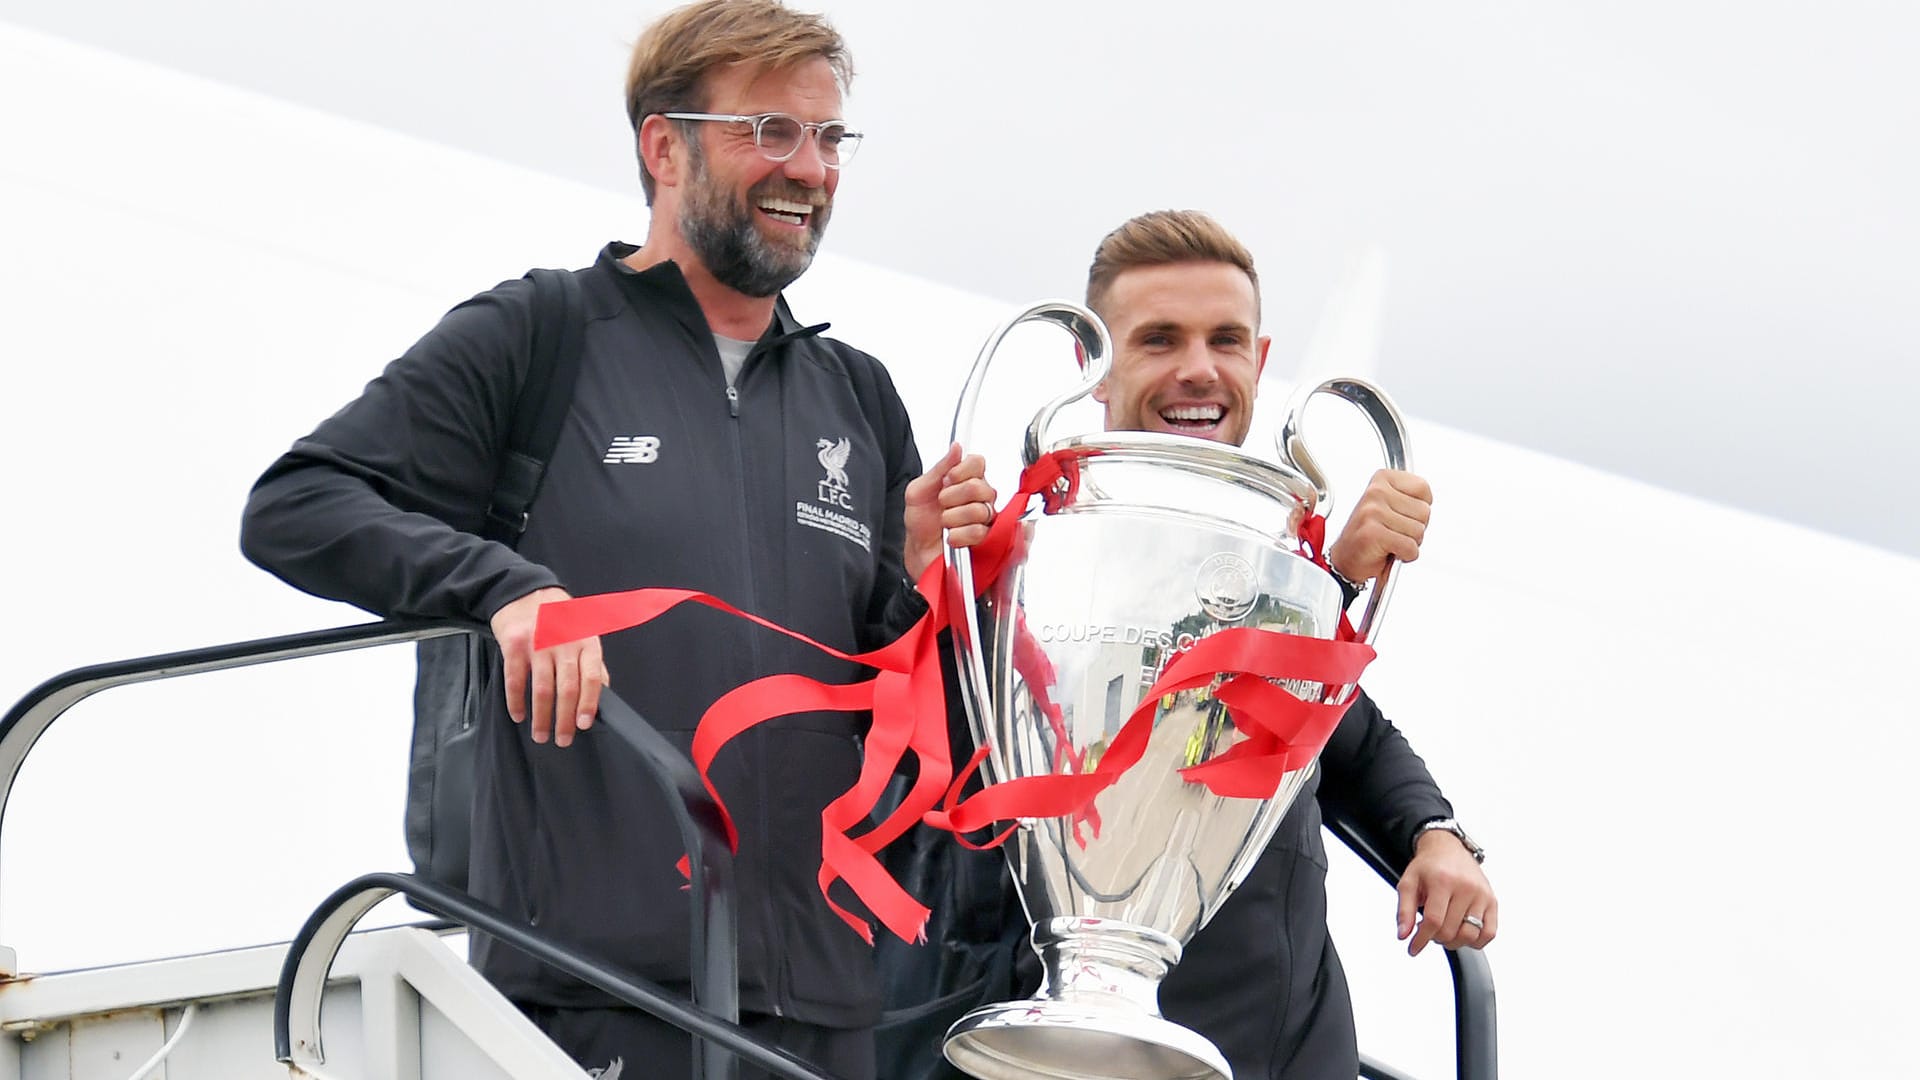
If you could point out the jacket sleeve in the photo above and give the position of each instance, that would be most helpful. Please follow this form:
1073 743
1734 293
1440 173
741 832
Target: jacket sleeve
382 505
1373 779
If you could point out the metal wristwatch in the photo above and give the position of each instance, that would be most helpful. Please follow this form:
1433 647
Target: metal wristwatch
1447 824
1351 588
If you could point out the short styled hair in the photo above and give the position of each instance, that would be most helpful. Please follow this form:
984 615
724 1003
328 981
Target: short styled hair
675 54
1162 238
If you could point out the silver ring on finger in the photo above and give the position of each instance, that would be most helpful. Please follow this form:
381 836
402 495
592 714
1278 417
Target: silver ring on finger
1474 921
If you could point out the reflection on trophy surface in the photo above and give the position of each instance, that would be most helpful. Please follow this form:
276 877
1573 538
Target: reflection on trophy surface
1161 542
1109 624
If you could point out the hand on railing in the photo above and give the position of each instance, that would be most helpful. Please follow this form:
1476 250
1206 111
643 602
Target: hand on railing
1475 1026
565 680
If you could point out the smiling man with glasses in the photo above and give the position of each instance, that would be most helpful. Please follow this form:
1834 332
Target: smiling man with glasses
729 234
713 442
749 157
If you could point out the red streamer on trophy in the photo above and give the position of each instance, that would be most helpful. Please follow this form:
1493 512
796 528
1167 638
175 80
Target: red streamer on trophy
908 704
1036 672
1313 544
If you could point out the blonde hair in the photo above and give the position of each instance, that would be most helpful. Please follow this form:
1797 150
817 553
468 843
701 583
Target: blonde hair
675 54
1161 238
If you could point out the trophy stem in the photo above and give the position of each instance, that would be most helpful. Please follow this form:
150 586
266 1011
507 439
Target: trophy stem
1089 961
1096 1016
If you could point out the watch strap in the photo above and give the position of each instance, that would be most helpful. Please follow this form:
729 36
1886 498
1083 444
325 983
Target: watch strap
1460 833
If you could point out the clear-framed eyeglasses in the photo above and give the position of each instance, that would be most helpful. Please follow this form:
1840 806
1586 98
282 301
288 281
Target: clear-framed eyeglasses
778 135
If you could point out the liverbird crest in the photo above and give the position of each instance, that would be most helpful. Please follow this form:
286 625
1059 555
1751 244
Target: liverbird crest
833 458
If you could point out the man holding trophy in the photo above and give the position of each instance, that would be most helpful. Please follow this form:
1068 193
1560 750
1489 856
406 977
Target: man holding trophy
1262 979
1114 889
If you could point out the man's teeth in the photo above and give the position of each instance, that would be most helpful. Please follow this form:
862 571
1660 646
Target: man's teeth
793 213
1194 414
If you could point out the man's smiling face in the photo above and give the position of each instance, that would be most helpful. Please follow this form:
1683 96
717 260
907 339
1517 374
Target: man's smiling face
1187 355
756 223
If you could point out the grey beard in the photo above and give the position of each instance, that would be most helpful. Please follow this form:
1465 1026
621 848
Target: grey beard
722 233
739 257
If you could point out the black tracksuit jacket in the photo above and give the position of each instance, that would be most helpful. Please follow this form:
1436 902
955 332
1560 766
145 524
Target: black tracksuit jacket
662 477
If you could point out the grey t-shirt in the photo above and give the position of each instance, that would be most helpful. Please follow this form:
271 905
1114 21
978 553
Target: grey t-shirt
733 355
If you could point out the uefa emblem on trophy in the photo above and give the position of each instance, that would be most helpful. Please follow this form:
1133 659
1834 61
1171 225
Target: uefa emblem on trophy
1151 548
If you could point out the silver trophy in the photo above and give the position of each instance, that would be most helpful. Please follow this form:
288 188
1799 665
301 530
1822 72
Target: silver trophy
1163 540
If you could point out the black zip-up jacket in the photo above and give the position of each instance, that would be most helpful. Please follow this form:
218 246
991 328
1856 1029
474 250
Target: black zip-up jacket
781 496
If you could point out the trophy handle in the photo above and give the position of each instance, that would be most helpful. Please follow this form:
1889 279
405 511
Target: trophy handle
1091 334
1087 330
1392 433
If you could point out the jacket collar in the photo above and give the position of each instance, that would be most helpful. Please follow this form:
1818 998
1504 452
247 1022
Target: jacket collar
663 287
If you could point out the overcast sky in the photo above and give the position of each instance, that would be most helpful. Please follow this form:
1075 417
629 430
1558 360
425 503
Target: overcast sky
1670 239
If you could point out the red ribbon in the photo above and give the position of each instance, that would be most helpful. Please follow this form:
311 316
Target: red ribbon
1313 544
908 704
907 700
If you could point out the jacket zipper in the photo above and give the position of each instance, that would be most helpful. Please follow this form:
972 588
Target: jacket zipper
779 983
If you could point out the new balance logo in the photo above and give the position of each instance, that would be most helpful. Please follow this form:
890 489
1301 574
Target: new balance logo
632 450
611 1072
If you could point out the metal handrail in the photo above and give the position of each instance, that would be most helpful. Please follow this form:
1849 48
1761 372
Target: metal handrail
714 940
296 1005
30 717
1475 1032
714 933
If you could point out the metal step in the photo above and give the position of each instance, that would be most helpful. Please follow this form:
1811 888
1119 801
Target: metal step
400 1004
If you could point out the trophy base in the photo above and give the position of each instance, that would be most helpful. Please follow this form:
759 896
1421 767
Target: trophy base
1096 1017
1020 1040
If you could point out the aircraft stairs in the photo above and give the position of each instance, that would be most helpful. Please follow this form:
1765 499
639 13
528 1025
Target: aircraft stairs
400 1003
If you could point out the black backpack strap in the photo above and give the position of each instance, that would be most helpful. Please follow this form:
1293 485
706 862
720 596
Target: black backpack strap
559 335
